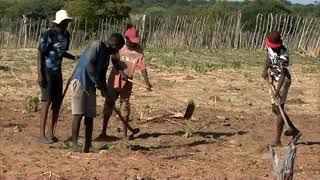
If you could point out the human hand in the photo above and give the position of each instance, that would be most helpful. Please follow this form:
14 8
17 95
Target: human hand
76 57
264 75
41 81
98 85
123 76
103 92
276 95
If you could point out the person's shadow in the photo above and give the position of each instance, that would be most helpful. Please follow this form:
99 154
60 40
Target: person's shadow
4 68
180 133
308 143
207 135
106 139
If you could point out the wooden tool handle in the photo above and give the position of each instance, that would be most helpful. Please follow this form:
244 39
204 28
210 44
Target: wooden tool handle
278 102
138 83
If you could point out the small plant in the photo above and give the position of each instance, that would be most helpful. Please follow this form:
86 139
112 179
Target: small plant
236 64
220 139
108 147
310 69
152 148
32 104
66 145
188 133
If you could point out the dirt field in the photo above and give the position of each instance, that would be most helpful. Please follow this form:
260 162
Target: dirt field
230 130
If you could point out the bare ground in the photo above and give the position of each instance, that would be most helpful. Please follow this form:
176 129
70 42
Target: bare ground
231 128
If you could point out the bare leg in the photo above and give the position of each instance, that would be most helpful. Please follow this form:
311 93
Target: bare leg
75 129
125 112
54 118
43 119
107 112
292 130
88 135
125 106
280 124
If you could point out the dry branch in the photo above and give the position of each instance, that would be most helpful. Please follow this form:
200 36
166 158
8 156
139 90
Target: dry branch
15 75
283 169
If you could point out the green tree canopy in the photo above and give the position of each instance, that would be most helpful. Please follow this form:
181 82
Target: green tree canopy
33 8
95 10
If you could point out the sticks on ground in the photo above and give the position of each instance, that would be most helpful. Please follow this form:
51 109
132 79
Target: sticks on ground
50 174
15 75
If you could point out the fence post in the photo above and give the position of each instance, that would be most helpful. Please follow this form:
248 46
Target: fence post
238 31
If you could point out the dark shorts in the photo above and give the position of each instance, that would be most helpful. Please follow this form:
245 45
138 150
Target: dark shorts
53 90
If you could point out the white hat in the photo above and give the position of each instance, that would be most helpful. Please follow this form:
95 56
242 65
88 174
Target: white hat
61 15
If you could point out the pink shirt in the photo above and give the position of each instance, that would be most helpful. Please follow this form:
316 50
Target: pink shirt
130 61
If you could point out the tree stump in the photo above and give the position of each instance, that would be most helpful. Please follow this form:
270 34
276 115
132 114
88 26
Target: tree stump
283 169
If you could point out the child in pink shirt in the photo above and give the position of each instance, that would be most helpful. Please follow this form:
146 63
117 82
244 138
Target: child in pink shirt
131 58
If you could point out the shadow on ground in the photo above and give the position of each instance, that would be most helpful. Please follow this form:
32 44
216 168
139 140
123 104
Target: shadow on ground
204 134
207 135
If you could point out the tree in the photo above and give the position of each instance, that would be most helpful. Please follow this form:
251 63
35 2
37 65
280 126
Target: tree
95 10
253 8
34 8
3 6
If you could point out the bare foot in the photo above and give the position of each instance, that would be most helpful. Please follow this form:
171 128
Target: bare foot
75 147
86 150
44 140
54 139
292 133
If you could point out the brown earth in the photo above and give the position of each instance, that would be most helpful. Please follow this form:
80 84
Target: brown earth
231 128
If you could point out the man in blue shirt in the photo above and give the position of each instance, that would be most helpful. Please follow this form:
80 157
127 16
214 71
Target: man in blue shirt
90 74
53 46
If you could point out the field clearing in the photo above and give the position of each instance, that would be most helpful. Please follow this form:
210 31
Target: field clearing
229 131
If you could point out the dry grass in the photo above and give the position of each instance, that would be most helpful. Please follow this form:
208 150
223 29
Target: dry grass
230 87
224 79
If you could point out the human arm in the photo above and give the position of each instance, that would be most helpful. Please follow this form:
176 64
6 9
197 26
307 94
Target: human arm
264 74
70 56
280 82
45 44
41 77
115 59
66 54
284 63
96 74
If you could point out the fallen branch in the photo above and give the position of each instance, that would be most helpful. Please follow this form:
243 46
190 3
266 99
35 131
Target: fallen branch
50 174
283 169
15 75
78 157
156 117
173 122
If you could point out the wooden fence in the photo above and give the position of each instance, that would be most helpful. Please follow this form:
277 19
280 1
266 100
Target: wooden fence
299 33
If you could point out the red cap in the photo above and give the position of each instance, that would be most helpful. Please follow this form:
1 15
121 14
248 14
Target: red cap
273 39
132 35
271 44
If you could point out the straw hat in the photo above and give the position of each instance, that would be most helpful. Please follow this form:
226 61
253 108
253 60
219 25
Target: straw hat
61 15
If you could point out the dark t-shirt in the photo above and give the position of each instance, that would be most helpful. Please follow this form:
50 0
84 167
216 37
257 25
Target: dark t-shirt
277 61
92 66
53 46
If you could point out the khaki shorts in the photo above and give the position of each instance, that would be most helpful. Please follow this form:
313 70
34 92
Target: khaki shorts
283 91
82 101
